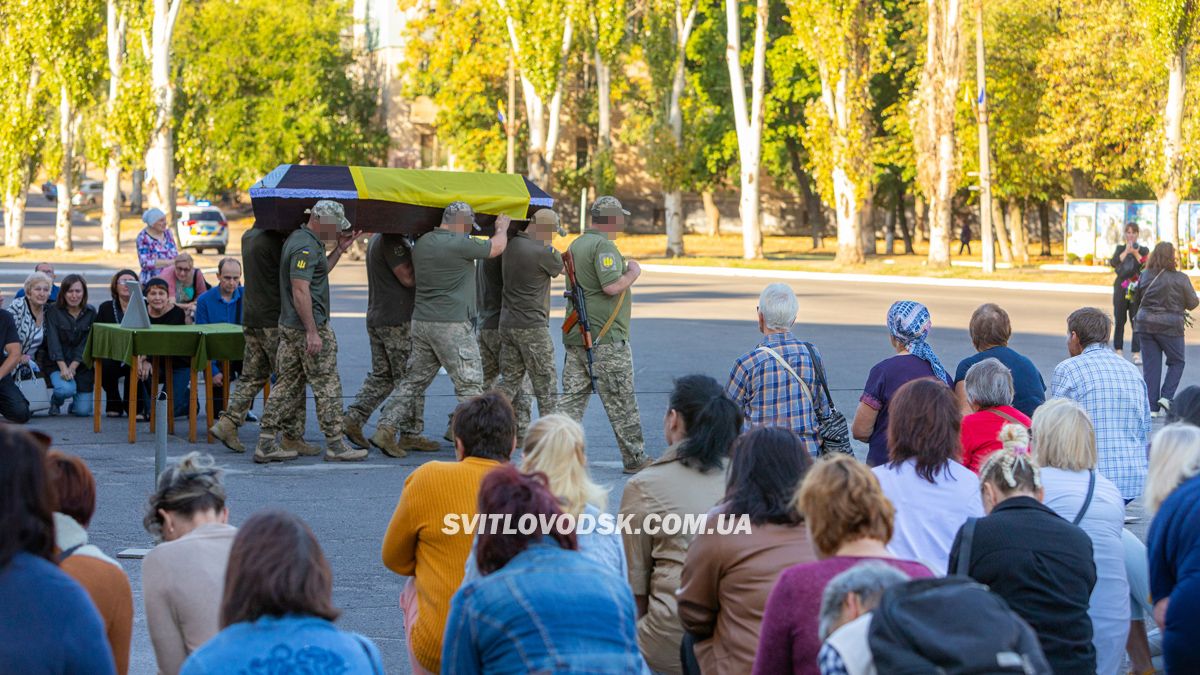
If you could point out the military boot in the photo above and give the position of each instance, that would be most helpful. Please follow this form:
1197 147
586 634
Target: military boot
352 427
385 440
299 446
419 443
268 450
227 432
336 450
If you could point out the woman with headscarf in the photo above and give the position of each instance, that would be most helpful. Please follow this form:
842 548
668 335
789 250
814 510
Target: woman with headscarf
909 324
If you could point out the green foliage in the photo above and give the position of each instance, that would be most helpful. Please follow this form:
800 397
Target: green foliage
464 71
1171 24
23 126
539 28
262 83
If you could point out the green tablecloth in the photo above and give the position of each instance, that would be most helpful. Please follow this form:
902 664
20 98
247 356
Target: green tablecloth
219 341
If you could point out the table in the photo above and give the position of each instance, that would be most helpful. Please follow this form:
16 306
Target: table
200 343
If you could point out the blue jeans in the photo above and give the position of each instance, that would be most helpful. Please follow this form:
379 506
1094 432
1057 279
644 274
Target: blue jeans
81 402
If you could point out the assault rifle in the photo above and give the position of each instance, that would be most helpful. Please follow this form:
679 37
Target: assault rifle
578 317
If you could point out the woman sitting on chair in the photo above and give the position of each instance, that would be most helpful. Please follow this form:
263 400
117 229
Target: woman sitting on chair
164 312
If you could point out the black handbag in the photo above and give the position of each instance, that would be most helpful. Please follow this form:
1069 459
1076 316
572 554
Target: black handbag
834 431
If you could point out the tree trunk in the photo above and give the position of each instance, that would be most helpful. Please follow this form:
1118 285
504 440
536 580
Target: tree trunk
542 120
934 129
712 214
1169 196
902 219
673 201
135 192
748 122
867 229
889 233
1044 217
920 215
14 214
160 160
1000 229
62 221
110 221
1016 223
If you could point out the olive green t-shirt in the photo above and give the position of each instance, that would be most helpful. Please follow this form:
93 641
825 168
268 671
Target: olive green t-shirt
444 264
304 258
490 291
389 302
529 265
597 264
261 250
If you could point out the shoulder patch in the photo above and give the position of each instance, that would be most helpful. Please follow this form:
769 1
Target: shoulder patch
301 264
606 261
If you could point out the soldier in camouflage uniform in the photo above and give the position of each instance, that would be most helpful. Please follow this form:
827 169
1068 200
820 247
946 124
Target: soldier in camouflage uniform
490 294
390 298
606 278
527 351
442 331
261 250
307 344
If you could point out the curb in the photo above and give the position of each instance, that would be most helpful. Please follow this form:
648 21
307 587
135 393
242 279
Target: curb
796 275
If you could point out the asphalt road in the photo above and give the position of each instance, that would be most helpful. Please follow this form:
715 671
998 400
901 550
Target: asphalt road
682 324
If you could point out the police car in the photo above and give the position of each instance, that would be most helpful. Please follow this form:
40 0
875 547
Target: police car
202 225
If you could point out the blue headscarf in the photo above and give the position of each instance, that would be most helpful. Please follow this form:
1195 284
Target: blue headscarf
909 323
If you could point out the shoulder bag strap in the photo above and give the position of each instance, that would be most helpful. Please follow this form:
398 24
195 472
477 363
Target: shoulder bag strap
820 367
964 548
608 324
787 366
1087 501
1006 416
67 553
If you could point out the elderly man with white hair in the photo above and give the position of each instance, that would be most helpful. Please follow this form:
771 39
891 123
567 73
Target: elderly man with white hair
776 383
989 388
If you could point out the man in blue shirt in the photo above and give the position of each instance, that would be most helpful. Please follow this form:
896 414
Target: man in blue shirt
47 269
222 304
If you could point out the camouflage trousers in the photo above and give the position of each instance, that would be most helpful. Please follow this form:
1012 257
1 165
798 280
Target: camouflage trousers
527 356
614 382
491 352
258 362
435 344
295 367
390 348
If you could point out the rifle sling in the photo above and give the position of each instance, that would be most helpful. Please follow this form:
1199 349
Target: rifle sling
608 324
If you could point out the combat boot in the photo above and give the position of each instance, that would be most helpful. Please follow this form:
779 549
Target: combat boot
299 446
352 427
385 440
227 432
419 443
336 450
268 450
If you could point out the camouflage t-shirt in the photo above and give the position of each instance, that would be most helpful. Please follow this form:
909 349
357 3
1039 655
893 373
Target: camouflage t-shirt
598 263
304 258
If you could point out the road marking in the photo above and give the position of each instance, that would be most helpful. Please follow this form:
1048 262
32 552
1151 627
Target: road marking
347 315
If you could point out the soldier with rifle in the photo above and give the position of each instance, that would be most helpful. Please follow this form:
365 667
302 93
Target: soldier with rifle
596 330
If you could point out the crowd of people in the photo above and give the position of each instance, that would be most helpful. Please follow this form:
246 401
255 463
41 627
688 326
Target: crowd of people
983 493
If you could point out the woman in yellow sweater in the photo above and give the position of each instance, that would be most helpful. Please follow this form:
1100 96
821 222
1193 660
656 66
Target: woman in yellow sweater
422 543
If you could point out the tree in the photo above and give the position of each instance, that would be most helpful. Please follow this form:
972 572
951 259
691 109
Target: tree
605 22
116 24
72 42
933 131
23 99
463 70
1172 26
160 160
842 37
540 33
748 120
666 30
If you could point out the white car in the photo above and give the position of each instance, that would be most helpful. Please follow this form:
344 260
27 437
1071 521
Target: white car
201 226
89 193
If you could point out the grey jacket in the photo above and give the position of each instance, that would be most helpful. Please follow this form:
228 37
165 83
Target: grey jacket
1162 298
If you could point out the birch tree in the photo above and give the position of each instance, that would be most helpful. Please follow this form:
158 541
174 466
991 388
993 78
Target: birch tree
1172 26
606 37
73 40
666 29
540 33
23 124
748 121
110 220
160 160
933 123
842 37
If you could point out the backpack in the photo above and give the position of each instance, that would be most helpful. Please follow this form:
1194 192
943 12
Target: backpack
951 625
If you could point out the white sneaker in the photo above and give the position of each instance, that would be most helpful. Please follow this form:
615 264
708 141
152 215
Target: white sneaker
1137 358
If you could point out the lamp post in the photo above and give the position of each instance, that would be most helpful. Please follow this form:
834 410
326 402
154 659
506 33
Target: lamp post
985 154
